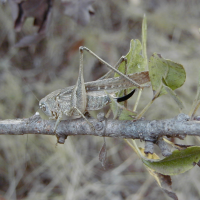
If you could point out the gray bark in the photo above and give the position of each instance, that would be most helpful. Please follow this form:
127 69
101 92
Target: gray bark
145 130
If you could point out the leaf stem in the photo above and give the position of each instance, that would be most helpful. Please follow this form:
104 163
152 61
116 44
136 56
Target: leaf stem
145 109
137 100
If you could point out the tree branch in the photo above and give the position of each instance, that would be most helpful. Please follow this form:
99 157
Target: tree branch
145 130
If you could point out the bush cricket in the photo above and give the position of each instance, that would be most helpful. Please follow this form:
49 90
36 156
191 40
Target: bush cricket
75 101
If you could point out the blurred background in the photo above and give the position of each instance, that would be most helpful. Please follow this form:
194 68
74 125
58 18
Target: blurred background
33 166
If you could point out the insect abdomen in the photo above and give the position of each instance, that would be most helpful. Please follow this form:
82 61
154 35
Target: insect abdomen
97 102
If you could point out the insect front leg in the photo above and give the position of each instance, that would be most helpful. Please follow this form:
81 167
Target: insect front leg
58 121
74 109
57 115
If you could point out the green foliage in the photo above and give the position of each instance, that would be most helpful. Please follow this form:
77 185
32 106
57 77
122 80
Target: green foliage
173 74
135 60
164 181
179 162
144 39
165 76
120 112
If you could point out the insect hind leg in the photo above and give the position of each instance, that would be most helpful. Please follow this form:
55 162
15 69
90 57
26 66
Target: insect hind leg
116 66
111 67
82 115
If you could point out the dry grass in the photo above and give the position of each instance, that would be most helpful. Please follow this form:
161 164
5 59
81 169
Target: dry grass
33 167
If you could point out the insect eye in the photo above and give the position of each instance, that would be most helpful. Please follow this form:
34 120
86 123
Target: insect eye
43 107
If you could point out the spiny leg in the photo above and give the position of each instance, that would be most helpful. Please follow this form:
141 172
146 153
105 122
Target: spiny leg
116 66
121 60
57 122
57 116
111 67
74 108
79 98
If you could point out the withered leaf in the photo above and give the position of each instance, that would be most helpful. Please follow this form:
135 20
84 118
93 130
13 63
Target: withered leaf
164 181
79 10
103 154
40 10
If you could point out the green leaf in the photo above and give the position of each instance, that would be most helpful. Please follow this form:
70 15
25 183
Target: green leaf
121 112
164 181
144 39
135 60
160 68
178 162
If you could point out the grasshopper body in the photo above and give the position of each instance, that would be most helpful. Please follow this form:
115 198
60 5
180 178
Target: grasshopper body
59 101
75 100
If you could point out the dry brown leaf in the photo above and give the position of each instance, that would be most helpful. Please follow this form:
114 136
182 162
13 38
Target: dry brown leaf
40 10
103 154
